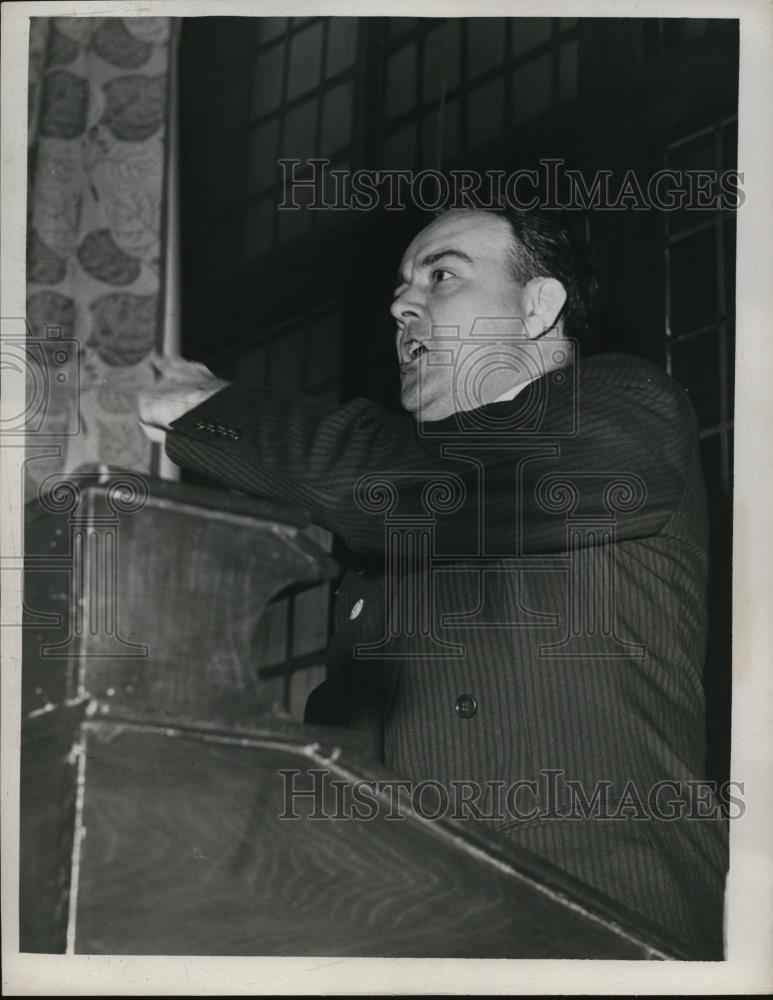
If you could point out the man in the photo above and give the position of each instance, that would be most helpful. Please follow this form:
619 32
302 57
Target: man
540 617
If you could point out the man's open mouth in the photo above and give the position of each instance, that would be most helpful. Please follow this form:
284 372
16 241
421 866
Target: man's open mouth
416 349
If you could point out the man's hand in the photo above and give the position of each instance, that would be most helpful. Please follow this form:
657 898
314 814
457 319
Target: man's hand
181 386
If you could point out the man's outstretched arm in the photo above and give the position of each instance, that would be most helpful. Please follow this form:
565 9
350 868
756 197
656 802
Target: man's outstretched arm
311 454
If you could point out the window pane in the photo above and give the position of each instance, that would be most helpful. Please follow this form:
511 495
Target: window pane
333 187
431 154
730 369
485 44
330 395
568 71
730 146
440 129
716 489
228 174
262 152
695 366
677 30
193 174
728 248
697 154
270 27
257 228
532 89
693 281
292 223
233 91
400 149
252 366
694 27
323 351
484 112
267 81
673 31
401 81
441 60
400 25
341 44
286 362
300 126
305 61
529 32
337 119
450 129
233 38
223 247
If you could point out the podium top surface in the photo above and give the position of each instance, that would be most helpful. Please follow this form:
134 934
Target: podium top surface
137 489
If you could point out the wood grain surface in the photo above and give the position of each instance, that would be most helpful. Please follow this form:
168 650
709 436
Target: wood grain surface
47 822
185 854
153 611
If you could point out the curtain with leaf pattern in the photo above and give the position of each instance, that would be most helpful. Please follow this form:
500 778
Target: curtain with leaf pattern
98 111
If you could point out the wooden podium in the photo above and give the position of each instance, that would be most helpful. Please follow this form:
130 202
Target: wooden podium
157 814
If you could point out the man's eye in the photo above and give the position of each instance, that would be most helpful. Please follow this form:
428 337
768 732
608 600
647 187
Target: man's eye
440 274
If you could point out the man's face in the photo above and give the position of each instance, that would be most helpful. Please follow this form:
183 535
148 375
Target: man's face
458 308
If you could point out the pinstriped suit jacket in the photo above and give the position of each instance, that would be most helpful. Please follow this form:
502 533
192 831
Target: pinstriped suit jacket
562 586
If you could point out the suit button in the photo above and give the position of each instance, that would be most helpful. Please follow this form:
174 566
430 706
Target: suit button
466 706
235 434
356 609
198 424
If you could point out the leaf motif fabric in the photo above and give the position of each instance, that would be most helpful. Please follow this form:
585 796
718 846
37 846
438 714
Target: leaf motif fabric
99 255
97 100
123 327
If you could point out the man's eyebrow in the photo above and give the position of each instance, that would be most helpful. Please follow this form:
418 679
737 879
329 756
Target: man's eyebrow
433 258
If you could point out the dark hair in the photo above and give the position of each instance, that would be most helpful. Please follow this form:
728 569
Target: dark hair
550 243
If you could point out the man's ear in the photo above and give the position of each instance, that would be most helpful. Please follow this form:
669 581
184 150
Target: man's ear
543 299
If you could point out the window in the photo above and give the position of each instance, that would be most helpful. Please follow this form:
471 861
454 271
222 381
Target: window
663 34
700 278
291 640
700 348
455 85
280 87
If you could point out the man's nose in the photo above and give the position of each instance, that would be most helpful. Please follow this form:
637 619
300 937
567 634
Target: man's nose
407 305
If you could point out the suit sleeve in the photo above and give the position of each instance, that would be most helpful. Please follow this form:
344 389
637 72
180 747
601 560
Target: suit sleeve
311 455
